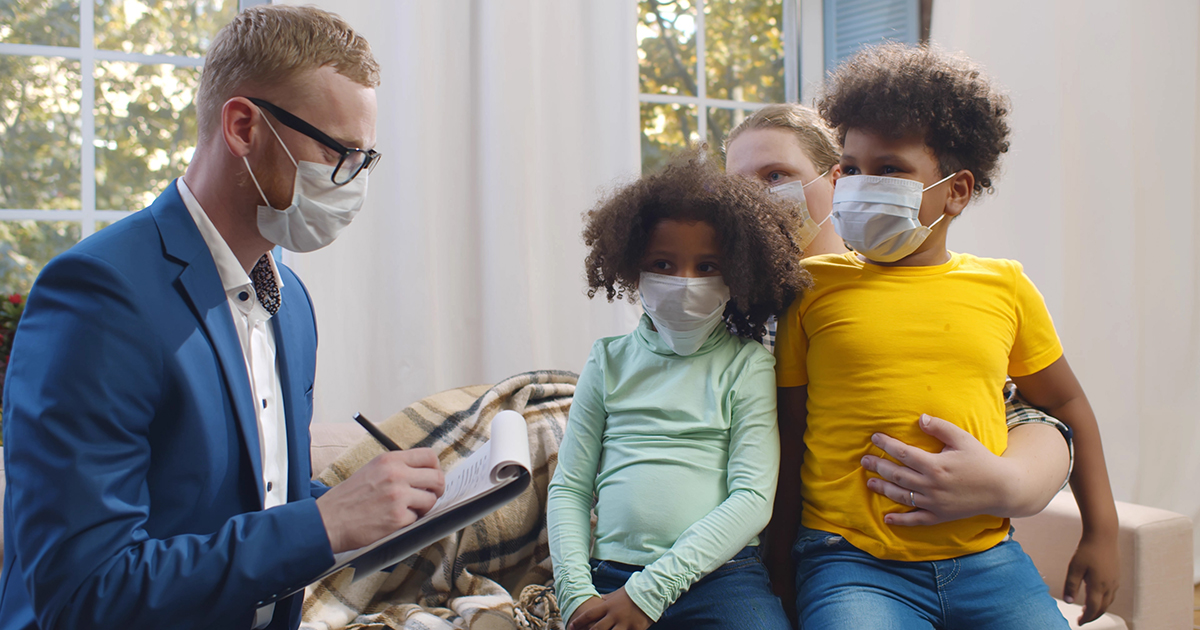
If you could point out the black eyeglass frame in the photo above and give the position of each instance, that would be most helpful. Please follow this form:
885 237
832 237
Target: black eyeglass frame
370 156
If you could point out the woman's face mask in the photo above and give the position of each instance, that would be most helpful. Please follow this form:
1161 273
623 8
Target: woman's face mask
878 217
794 190
685 311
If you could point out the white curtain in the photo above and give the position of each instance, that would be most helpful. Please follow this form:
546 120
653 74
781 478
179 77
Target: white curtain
1100 199
500 124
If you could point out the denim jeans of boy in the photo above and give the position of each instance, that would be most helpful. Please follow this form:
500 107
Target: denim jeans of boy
736 595
841 587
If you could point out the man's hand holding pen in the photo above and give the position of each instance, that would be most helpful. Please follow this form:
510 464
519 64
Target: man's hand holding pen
388 493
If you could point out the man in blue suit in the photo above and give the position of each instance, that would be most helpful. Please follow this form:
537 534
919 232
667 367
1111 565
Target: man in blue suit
159 394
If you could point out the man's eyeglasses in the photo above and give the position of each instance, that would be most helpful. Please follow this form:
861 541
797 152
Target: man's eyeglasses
352 162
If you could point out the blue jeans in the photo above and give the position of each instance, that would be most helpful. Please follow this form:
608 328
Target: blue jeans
842 587
735 595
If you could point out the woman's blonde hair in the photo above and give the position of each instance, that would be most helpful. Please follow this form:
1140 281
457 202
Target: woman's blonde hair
815 137
270 45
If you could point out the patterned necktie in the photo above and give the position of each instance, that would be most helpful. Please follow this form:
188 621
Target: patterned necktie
264 285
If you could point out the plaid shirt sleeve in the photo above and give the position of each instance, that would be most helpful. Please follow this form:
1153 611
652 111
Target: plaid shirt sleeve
768 340
1018 412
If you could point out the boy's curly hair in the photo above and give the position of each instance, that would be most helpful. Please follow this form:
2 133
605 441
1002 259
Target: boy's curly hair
759 255
896 90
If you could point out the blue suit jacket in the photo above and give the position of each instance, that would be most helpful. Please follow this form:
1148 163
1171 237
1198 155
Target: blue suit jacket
131 446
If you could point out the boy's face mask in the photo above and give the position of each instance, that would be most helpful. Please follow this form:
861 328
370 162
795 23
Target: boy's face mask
878 217
685 311
809 228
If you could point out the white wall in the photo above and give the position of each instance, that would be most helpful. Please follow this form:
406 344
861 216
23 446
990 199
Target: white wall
1099 199
500 123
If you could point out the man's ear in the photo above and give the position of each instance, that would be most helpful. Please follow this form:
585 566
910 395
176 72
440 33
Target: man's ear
961 187
238 117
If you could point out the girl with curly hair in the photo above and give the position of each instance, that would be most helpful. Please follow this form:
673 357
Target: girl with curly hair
672 434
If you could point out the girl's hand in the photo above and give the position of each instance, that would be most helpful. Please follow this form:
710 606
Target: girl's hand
614 611
1095 562
580 619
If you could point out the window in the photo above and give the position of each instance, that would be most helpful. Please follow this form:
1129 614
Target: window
704 63
96 115
851 23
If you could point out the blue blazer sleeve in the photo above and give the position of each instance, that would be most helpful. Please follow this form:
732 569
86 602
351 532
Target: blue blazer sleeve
128 503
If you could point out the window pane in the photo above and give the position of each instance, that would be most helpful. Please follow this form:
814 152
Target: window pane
145 130
666 35
154 27
720 122
40 125
666 129
26 247
744 50
40 22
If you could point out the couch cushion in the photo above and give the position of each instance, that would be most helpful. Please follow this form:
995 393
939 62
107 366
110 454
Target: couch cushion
1107 621
329 439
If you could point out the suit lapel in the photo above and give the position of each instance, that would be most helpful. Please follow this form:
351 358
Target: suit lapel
293 400
201 285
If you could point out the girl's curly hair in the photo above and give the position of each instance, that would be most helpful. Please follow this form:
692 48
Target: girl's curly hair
897 90
759 255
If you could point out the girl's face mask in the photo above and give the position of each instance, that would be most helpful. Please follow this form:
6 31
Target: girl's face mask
685 311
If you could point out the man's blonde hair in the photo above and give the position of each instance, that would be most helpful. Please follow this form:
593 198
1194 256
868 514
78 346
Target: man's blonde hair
270 45
814 135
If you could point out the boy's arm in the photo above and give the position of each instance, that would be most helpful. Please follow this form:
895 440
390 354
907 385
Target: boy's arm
785 518
1056 391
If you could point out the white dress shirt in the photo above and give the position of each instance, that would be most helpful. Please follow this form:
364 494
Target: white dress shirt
253 324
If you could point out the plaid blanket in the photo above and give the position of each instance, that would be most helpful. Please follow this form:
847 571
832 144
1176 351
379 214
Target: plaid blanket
466 580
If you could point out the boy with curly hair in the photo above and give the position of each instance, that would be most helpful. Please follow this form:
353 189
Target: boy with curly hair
672 433
900 327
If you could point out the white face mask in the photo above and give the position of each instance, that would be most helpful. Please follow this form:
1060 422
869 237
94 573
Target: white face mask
809 228
685 311
320 209
878 216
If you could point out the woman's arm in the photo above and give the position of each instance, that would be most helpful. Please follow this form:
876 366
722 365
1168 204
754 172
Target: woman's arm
966 479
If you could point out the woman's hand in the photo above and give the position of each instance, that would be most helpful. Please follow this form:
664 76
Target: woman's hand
966 479
614 611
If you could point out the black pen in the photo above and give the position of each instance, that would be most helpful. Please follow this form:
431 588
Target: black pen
376 433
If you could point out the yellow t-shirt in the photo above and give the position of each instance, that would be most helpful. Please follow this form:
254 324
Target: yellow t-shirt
878 346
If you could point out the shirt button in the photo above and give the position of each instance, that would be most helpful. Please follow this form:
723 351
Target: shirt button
270 486
243 296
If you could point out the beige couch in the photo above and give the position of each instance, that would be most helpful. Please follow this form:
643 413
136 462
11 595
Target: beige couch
1155 546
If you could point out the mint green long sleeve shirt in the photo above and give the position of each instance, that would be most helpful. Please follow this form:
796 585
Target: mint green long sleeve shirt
681 455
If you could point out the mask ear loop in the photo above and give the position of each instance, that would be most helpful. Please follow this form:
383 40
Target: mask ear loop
930 226
925 188
819 177
285 150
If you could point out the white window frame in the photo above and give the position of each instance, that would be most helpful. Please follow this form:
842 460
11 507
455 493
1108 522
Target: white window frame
88 55
803 57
